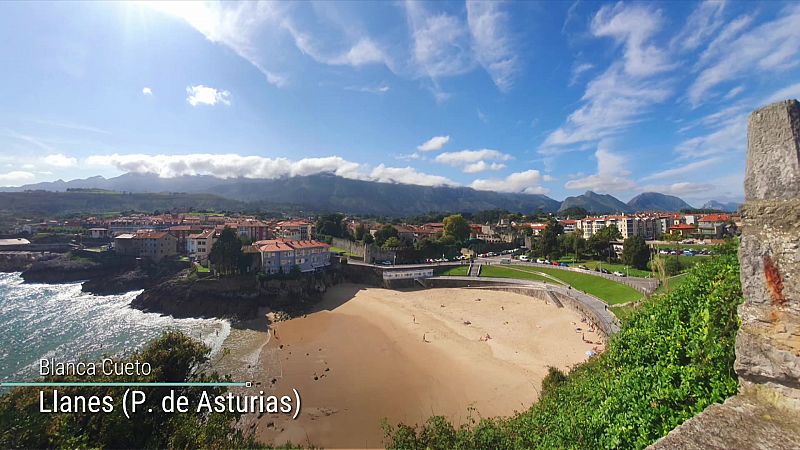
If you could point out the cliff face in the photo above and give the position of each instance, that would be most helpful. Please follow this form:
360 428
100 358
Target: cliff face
235 297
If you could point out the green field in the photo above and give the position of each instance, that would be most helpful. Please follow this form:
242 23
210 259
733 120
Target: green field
508 272
611 267
607 290
344 252
457 271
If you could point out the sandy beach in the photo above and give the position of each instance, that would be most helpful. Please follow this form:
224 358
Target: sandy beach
370 353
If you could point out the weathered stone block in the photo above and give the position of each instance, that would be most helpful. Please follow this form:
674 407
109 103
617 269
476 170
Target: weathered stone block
773 152
768 344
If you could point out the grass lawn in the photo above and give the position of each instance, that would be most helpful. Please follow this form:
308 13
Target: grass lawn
607 290
590 263
345 252
201 269
457 271
507 272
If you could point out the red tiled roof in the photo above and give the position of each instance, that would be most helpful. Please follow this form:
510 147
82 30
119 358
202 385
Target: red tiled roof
682 226
282 245
715 218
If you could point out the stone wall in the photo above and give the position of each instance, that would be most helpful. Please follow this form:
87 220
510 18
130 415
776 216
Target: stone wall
768 343
368 253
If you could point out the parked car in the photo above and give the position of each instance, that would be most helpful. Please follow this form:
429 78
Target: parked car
583 267
540 261
564 265
619 274
604 271
524 258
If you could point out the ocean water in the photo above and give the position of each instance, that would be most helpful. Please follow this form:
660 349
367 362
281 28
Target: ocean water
59 321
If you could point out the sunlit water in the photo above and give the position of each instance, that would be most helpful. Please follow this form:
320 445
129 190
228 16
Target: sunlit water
59 321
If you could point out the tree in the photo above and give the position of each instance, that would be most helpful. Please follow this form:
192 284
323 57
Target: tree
635 252
368 239
392 242
548 240
600 242
331 225
361 230
457 227
573 243
384 233
226 253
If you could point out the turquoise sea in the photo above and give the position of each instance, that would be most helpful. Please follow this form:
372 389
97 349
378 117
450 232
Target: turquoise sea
59 321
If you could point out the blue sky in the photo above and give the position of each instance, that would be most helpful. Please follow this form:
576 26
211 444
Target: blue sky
555 98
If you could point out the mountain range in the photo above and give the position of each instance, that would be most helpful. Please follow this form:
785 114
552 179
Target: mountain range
326 192
722 206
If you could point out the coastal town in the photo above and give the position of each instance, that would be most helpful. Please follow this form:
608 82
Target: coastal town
281 244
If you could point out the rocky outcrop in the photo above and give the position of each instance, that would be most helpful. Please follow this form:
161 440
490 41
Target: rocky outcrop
19 261
102 273
237 298
766 412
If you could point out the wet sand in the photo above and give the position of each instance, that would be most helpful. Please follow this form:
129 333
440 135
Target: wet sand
370 354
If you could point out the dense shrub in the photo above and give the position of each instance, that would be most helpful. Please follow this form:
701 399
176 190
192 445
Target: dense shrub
672 358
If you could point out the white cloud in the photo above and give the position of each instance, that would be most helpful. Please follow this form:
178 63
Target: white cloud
632 26
683 170
440 43
204 95
548 178
408 175
729 135
433 144
147 91
60 160
611 174
470 156
768 48
16 177
733 92
234 166
527 182
379 89
612 102
703 23
578 70
364 51
492 45
234 24
482 166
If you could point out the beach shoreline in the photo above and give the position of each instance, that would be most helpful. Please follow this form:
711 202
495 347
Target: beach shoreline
368 354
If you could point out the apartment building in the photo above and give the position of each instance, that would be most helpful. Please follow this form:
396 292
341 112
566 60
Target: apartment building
280 255
648 227
199 245
295 230
155 245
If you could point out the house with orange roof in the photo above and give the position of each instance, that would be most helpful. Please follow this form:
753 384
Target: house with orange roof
280 255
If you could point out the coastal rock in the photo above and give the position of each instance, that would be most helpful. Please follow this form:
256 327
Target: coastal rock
238 297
